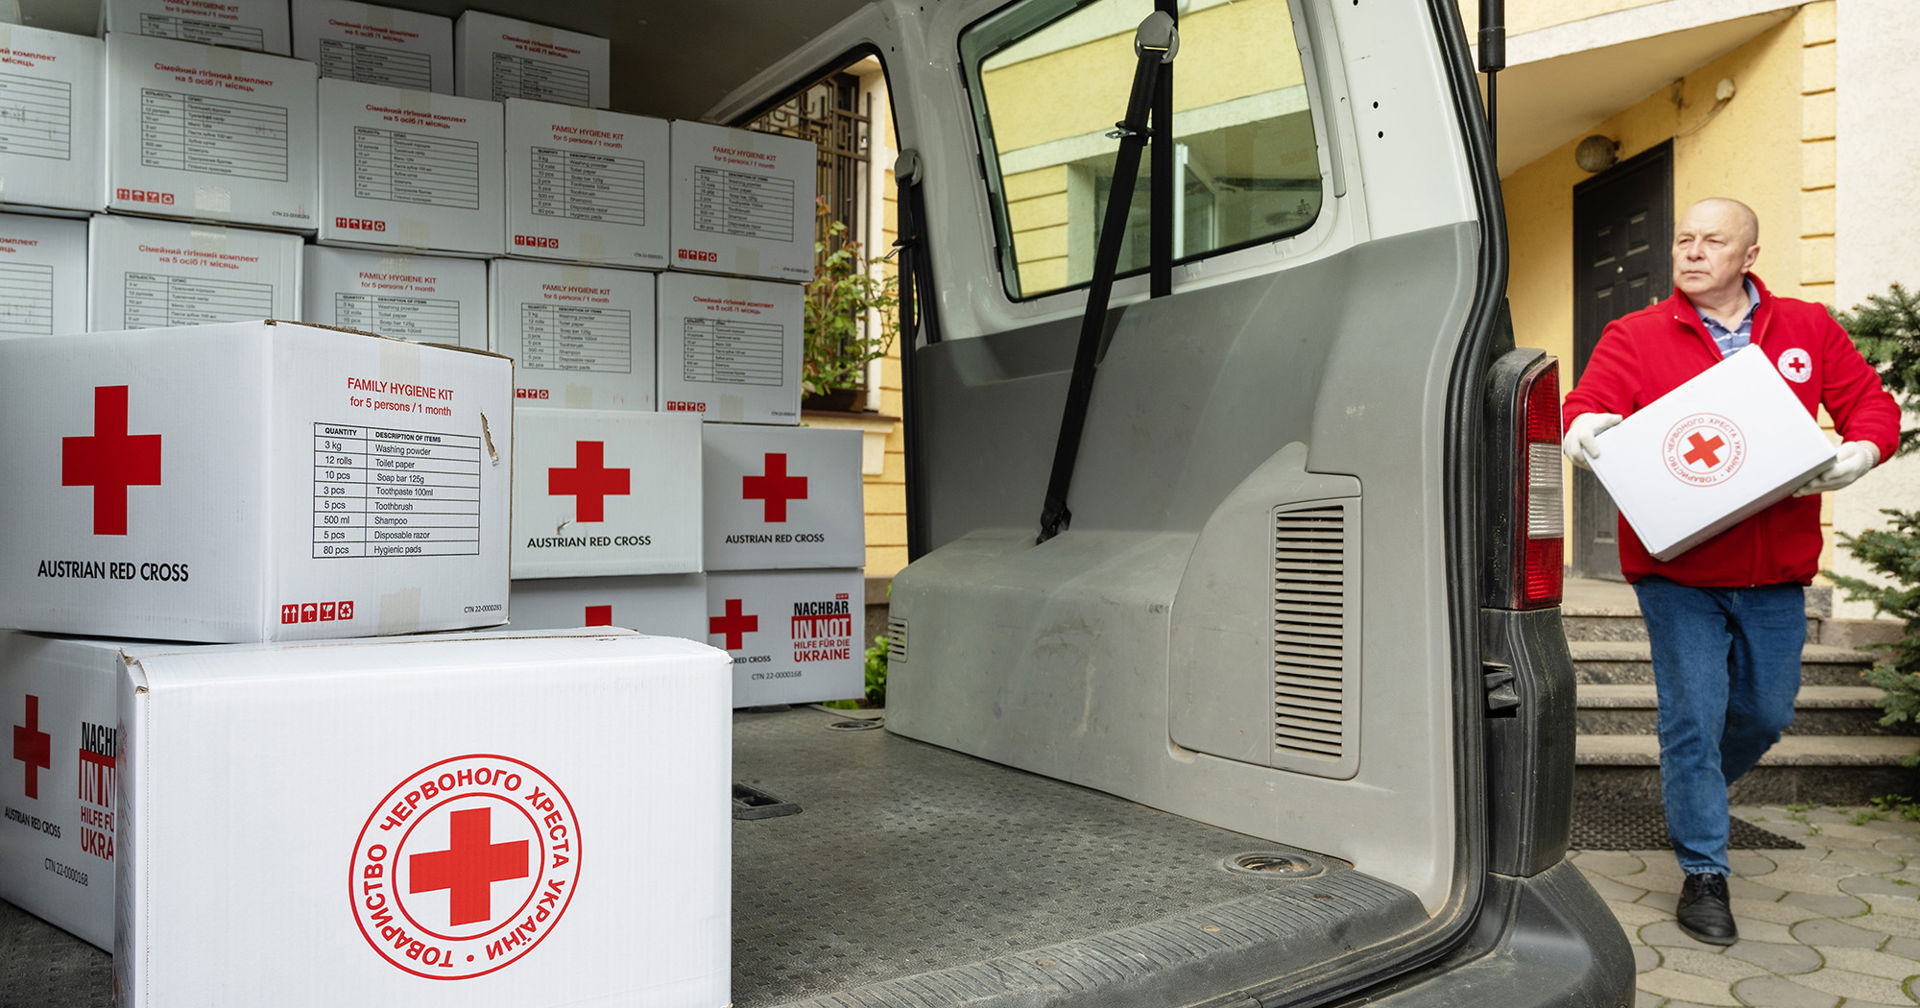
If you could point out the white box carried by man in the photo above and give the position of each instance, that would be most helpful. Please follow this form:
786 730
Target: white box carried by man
252 481
437 822
1720 447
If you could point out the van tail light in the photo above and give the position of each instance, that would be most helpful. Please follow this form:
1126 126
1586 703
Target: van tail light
1540 492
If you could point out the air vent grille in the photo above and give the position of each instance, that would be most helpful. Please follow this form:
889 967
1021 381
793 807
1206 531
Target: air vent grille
1310 681
896 639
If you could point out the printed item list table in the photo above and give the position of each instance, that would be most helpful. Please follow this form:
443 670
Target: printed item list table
26 299
570 338
733 352
410 168
382 491
742 204
431 320
521 77
218 136
371 64
591 187
36 117
208 32
154 300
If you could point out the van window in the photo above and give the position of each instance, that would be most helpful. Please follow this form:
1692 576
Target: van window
1050 79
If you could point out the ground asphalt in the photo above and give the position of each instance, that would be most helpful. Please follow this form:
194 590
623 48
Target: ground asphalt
1836 925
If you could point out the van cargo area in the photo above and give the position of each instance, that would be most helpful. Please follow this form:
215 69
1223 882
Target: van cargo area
870 869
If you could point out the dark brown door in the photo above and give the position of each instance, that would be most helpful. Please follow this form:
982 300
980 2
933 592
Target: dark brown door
1622 241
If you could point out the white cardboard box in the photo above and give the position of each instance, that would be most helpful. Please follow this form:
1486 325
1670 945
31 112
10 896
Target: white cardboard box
51 155
581 337
252 481
602 492
434 822
498 58
585 185
782 497
259 25
146 274
743 202
410 169
43 275
795 636
729 349
59 698
209 133
432 299
375 45
671 605
1720 447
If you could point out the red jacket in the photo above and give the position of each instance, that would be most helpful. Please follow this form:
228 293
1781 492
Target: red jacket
1644 355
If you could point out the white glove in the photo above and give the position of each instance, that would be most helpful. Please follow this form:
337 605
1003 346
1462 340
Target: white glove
1850 462
1580 444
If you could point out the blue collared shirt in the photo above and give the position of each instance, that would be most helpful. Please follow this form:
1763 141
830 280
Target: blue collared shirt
1729 340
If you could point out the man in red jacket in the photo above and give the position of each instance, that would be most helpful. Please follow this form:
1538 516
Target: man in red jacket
1726 619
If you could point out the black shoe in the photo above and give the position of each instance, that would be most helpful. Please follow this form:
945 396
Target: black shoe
1703 912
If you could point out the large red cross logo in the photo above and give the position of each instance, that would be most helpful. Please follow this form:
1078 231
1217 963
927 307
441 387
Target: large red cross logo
1705 451
735 625
33 746
599 615
110 460
590 482
469 867
774 489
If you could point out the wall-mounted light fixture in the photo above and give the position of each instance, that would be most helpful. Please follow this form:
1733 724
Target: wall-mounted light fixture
1596 153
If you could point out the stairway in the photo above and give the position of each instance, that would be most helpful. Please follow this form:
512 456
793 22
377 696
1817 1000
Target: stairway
1836 752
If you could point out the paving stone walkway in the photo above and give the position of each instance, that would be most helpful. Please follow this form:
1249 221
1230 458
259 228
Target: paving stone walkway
1836 925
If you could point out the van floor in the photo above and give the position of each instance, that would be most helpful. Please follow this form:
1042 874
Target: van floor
917 876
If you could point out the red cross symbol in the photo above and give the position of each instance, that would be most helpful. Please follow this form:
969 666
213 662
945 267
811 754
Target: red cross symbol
1706 451
599 615
33 746
469 867
735 625
1797 365
110 460
590 481
774 489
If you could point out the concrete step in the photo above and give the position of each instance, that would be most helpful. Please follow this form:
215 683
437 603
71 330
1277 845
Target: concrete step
1630 709
1829 769
1621 662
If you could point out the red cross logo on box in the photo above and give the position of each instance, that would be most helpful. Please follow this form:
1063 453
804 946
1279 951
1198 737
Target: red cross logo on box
110 460
1704 449
775 488
599 615
589 482
465 866
33 747
735 625
1796 365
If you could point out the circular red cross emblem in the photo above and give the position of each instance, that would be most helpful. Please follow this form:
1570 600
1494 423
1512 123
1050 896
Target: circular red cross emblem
1704 449
1796 365
464 866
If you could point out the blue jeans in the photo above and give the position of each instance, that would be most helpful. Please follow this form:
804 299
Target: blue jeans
1726 668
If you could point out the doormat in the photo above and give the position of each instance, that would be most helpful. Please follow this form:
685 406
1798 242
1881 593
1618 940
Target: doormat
1612 826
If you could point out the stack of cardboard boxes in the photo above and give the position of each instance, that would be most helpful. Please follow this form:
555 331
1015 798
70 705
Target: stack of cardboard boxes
208 508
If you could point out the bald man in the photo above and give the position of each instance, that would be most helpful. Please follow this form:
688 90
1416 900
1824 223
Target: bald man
1726 619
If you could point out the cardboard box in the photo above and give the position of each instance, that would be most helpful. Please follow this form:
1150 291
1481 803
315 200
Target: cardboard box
375 45
795 636
581 337
743 202
599 492
43 275
51 154
146 274
410 169
671 605
498 58
252 481
209 133
729 349
431 299
431 822
782 497
259 25
1720 447
58 701
586 185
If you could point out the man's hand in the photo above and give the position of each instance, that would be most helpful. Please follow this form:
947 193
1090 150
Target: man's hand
1850 462
1580 444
